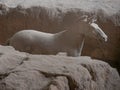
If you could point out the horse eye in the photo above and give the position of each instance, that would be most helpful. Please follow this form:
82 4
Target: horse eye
98 34
93 31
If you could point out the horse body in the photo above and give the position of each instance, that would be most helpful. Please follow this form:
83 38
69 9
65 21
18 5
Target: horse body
32 41
37 42
70 41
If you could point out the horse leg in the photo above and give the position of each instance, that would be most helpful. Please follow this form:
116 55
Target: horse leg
77 52
73 53
81 47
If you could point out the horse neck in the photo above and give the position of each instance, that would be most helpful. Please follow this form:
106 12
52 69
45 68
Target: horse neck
69 37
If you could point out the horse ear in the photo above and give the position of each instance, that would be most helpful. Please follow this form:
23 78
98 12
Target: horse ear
83 18
92 19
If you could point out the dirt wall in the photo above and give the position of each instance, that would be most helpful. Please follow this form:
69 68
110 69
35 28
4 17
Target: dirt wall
16 20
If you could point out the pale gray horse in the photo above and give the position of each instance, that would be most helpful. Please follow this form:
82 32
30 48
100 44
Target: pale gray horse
70 41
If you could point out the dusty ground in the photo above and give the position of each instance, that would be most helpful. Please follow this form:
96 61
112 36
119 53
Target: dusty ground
23 71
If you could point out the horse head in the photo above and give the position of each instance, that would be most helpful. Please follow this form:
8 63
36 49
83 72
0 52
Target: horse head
91 29
98 32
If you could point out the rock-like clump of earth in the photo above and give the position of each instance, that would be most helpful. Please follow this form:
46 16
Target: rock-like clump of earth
23 71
